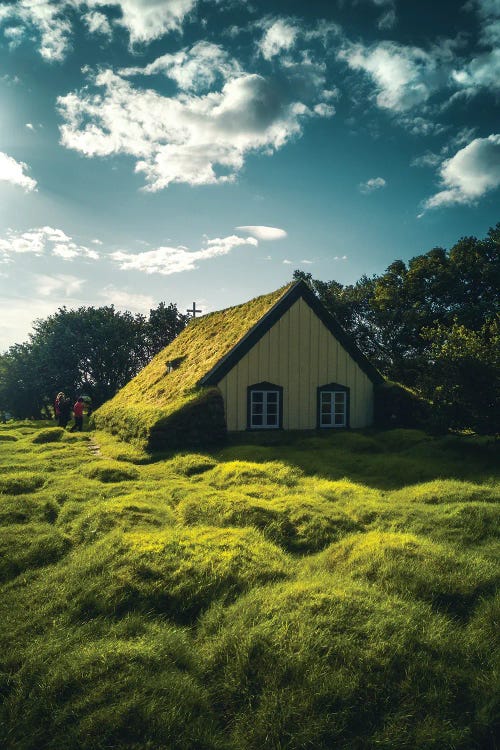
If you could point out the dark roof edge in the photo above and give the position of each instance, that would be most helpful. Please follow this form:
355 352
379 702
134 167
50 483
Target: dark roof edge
298 290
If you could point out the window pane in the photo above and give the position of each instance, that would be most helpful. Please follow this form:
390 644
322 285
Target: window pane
272 420
257 396
256 420
272 397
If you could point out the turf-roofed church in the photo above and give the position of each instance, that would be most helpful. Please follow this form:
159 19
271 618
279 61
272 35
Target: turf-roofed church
280 361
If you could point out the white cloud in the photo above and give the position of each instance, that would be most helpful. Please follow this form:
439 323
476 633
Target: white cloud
14 172
196 139
170 260
280 36
44 241
404 76
264 233
120 298
374 183
98 23
193 69
48 18
59 284
482 71
145 20
287 262
469 174
340 257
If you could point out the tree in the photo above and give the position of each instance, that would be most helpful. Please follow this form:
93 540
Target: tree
89 350
463 377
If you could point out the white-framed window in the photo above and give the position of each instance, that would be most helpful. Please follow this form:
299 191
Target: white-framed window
265 407
333 407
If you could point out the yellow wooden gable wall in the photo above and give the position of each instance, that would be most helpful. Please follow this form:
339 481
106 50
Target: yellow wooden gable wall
300 354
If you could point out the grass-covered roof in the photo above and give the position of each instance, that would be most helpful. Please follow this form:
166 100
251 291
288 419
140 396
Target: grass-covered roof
147 403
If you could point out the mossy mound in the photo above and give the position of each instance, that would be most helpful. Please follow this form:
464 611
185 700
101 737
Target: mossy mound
447 491
30 545
323 664
50 435
20 482
163 408
86 689
110 471
191 463
414 567
174 572
293 522
126 513
22 509
241 473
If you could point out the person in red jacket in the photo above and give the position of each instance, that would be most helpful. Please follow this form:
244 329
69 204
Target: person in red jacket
78 414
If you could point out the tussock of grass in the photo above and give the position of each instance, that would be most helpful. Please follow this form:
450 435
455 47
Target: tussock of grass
8 438
86 690
414 567
321 664
174 572
447 491
110 471
238 473
401 439
126 513
191 463
22 509
20 482
51 435
30 545
306 593
298 525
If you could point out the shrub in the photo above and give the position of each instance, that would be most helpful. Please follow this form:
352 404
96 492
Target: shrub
325 663
29 545
110 471
398 406
20 482
50 435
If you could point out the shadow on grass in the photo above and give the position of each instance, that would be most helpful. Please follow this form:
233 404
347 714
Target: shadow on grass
384 460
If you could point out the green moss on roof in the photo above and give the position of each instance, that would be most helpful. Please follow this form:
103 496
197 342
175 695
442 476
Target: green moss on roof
154 395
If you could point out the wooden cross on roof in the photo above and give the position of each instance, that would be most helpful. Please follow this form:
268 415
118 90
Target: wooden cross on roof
193 311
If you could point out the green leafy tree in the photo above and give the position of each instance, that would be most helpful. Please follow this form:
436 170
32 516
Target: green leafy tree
463 377
89 350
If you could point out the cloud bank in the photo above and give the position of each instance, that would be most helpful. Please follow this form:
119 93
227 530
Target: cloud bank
15 172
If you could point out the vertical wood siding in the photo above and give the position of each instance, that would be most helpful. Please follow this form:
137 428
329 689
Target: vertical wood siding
300 354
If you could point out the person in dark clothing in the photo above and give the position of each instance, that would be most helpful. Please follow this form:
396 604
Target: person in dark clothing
64 411
78 414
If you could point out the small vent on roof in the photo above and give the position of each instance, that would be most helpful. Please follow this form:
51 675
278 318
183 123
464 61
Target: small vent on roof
174 364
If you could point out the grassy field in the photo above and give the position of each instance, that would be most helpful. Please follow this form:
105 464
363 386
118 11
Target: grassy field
330 591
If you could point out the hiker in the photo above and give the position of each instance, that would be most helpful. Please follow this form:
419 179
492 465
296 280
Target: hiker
64 411
78 414
57 407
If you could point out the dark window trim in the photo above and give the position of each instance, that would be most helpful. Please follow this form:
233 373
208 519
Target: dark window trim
333 388
265 386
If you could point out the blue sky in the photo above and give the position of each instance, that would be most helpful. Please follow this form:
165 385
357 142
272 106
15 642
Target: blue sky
180 150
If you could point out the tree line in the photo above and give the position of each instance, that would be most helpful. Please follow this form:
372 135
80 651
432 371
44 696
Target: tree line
91 350
432 324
